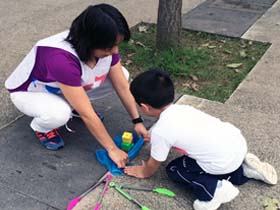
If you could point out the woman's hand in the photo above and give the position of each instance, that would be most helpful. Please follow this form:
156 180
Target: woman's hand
118 156
121 86
142 131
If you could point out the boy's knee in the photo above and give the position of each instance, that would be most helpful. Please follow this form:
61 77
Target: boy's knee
170 168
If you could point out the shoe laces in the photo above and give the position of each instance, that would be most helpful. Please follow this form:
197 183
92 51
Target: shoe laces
51 134
41 136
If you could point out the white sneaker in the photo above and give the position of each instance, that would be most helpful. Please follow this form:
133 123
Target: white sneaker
256 169
225 192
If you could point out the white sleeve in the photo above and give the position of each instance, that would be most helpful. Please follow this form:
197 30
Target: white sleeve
160 147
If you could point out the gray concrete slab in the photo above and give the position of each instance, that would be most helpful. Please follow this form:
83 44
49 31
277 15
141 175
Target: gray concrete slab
50 177
15 200
263 99
226 17
54 178
270 20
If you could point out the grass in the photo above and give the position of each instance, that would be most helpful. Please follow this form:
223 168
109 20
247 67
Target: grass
205 65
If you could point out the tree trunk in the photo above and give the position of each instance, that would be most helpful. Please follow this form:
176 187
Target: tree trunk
169 24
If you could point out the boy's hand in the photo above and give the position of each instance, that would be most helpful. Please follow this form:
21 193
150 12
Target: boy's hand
142 131
136 171
145 170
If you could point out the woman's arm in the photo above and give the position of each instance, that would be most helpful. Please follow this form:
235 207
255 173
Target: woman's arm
121 86
79 100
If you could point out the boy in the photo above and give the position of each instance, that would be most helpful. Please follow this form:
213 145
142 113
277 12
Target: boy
215 152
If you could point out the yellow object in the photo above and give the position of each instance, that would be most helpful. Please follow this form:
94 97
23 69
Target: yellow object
127 137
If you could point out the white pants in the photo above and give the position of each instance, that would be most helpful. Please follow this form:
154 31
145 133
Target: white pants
50 111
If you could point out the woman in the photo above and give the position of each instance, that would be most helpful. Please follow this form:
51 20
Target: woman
59 71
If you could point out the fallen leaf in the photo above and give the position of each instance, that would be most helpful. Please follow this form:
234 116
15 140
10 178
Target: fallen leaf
128 62
243 53
205 45
237 70
140 44
130 54
143 29
193 77
195 86
211 46
234 65
271 204
186 84
228 51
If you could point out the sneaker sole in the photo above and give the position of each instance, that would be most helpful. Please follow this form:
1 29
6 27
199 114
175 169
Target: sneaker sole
198 207
54 147
265 169
216 205
232 196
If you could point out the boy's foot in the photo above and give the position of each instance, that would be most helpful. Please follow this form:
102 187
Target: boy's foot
225 192
50 140
256 169
76 114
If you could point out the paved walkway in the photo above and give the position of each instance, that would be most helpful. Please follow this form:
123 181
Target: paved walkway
226 17
253 107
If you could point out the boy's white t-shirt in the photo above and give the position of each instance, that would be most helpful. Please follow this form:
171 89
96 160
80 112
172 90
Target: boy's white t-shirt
217 146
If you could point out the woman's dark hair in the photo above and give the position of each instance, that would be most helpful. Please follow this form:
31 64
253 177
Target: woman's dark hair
153 87
97 27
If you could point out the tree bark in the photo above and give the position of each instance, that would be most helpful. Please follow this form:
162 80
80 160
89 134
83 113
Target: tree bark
169 24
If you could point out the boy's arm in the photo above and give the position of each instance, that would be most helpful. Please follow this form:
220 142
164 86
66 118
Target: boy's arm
145 170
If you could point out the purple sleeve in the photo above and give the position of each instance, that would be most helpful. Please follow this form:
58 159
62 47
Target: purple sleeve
65 68
115 59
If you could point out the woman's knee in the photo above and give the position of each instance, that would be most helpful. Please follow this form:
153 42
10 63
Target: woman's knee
125 72
62 115
57 116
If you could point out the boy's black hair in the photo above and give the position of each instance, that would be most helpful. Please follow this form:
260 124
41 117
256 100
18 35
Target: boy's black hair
153 87
97 27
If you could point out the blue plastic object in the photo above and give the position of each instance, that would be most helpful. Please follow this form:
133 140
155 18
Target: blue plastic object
103 157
